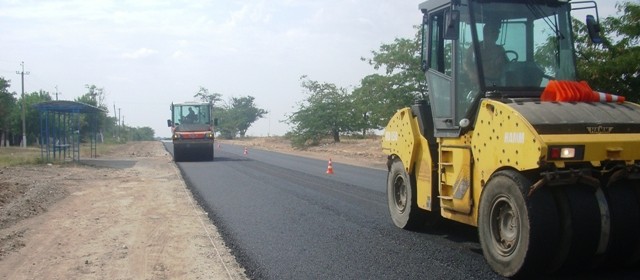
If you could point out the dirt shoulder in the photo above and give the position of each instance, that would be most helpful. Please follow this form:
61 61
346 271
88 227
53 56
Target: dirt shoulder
135 221
126 215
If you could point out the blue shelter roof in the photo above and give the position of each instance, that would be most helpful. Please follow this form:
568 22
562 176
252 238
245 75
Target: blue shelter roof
67 106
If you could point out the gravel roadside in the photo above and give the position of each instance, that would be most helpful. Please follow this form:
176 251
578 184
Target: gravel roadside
90 221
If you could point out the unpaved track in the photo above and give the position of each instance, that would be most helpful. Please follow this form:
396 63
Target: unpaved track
136 222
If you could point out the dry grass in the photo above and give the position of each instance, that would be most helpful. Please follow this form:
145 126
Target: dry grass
12 156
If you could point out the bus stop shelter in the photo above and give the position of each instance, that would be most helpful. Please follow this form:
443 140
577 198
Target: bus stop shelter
60 129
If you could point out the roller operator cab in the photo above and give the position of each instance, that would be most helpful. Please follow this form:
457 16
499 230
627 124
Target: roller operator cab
502 143
192 128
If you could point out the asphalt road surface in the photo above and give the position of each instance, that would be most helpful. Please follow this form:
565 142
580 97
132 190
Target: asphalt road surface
284 218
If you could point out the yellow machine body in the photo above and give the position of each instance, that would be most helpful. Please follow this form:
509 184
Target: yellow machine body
505 137
501 139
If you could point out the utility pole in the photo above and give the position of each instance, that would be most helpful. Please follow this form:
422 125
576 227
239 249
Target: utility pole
119 124
57 93
24 124
124 130
115 117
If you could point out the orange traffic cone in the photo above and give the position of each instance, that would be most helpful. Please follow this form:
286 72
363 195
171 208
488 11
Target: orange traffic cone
330 168
571 91
245 151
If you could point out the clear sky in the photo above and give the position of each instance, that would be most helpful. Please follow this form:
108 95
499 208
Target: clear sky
149 53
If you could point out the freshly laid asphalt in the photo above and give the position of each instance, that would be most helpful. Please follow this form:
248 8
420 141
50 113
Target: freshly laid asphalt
284 218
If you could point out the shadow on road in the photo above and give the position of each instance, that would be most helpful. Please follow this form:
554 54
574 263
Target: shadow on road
227 159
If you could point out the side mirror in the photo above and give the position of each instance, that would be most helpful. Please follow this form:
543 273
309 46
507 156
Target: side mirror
593 28
169 123
452 25
215 121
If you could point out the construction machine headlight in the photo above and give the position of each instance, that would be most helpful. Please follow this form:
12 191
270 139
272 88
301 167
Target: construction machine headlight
209 135
566 152
176 136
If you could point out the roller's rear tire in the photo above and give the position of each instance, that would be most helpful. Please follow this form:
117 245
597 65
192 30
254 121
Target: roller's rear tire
634 260
581 222
210 153
178 154
517 232
624 205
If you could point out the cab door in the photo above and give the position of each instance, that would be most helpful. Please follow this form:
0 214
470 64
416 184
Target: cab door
439 72
451 102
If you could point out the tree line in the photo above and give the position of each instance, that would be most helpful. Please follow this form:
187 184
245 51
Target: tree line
331 111
234 115
110 128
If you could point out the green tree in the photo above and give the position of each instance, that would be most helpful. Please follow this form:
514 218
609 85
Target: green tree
141 133
96 97
207 97
110 128
325 111
613 66
247 112
7 106
237 116
32 116
227 122
379 95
